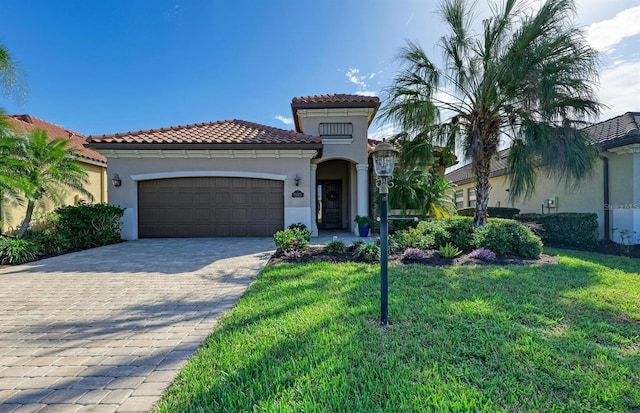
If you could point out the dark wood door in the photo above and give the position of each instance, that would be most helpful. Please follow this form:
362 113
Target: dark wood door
331 205
210 207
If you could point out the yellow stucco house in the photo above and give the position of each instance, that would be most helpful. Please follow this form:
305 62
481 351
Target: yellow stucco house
94 163
612 191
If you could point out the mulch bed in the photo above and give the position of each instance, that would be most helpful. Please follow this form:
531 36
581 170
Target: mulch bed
318 254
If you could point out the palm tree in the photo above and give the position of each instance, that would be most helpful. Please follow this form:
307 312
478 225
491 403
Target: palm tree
47 167
528 77
12 81
427 193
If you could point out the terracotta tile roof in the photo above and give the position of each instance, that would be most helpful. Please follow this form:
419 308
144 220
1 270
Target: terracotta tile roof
226 132
336 98
333 101
615 131
371 144
23 123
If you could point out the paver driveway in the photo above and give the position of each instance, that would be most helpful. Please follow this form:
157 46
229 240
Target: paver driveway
108 329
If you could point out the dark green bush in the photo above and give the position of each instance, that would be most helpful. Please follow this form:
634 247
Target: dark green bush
457 230
48 242
292 239
335 246
15 251
566 229
508 237
493 212
87 226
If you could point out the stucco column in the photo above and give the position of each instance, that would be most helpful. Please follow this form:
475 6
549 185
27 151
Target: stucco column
312 199
363 189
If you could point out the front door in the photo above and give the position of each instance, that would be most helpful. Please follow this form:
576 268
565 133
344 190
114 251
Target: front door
330 208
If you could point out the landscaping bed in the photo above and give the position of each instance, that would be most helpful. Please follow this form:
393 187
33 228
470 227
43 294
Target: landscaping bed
320 254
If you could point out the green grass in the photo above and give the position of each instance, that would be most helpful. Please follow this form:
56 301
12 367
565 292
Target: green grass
541 338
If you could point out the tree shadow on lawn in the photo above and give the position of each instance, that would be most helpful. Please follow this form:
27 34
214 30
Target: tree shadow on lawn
494 338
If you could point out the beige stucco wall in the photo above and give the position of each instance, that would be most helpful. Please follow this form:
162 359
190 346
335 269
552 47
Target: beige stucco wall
278 165
13 214
624 194
586 197
356 150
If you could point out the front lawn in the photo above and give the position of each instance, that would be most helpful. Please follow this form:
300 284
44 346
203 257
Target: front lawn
305 337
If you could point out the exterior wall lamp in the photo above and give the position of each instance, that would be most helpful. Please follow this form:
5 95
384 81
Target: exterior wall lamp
384 159
296 179
116 181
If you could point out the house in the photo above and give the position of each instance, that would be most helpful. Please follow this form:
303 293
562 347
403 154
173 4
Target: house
235 178
91 161
612 191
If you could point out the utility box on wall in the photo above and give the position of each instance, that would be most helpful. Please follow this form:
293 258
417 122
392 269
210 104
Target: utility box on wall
551 202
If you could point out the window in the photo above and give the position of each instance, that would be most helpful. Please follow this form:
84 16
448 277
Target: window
471 196
459 198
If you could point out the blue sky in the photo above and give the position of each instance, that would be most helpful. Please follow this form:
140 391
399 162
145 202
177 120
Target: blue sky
121 65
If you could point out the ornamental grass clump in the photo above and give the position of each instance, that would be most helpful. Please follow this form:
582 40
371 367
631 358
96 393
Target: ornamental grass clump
483 254
414 254
449 250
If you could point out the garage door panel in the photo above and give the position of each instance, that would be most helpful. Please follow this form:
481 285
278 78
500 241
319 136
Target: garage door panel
210 207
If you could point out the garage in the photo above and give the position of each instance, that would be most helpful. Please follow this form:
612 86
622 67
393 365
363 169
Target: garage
210 207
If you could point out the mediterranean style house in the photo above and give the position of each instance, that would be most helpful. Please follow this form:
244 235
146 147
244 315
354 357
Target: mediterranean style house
612 191
91 161
234 178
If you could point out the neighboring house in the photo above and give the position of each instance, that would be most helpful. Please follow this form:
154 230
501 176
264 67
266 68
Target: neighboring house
237 178
612 191
93 163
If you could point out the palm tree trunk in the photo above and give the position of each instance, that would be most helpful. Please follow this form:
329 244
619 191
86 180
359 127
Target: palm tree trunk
483 187
27 219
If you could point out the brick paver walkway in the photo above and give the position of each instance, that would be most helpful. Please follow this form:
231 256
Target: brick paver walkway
108 329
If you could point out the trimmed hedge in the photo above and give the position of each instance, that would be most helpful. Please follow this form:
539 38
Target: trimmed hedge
565 229
493 212
508 237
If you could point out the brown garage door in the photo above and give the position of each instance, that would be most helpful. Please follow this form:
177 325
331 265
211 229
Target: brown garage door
210 207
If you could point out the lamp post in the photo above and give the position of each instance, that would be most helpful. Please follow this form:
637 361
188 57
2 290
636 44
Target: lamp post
384 159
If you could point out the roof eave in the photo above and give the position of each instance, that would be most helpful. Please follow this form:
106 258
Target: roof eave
333 105
211 146
623 141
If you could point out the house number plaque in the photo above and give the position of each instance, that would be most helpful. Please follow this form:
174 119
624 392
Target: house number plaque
297 194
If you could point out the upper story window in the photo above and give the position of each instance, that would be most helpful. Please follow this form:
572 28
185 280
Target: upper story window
336 131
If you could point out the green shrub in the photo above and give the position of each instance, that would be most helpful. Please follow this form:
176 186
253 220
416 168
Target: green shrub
357 243
411 238
493 212
508 237
369 252
17 251
90 225
335 246
292 239
449 250
48 242
457 230
566 229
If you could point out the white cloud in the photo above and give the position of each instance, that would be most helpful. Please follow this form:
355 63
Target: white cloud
619 90
353 76
284 119
604 35
384 131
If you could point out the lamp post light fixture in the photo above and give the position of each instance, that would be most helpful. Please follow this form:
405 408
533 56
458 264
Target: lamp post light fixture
384 159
